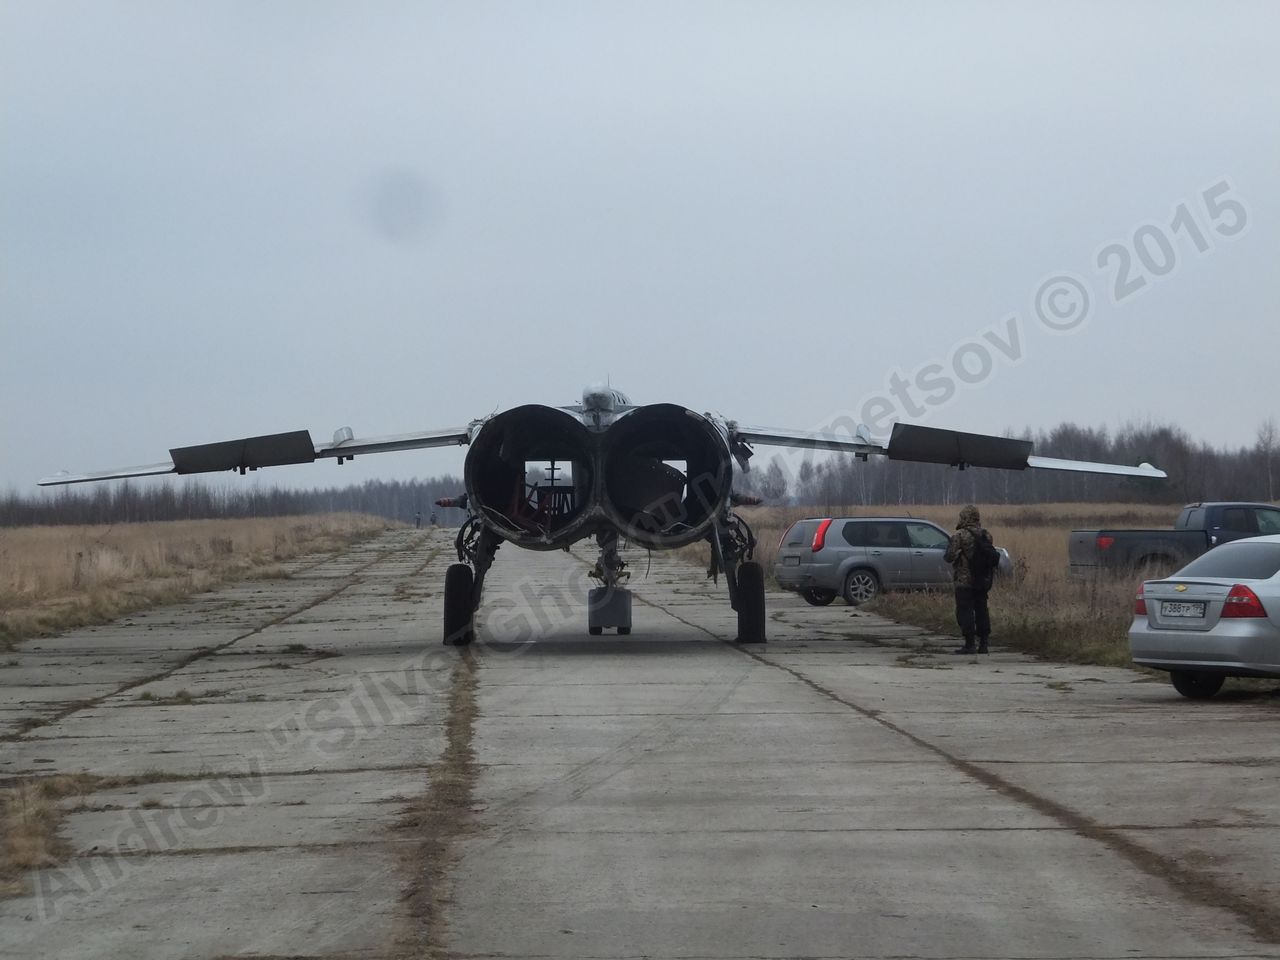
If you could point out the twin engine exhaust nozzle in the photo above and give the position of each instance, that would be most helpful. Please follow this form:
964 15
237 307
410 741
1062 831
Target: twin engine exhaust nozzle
541 478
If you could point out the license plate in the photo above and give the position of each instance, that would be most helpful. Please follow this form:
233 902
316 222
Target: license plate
1191 609
791 561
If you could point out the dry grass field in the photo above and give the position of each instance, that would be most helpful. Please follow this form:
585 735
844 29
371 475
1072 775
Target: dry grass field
1038 610
56 578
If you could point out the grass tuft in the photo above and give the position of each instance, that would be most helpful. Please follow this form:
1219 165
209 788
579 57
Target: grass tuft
31 813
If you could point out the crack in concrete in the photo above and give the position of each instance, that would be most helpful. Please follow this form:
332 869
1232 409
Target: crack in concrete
439 818
157 777
1262 917
349 580
231 850
1259 915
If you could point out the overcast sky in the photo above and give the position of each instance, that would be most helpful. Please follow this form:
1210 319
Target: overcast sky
223 219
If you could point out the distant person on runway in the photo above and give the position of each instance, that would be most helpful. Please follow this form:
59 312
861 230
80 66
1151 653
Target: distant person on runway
974 561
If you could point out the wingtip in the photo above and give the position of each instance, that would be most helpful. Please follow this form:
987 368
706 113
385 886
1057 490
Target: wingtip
62 477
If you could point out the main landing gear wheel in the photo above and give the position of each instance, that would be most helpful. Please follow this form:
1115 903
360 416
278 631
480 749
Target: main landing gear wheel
458 605
817 597
750 602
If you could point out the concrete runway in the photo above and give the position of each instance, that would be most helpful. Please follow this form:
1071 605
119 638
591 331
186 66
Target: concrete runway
298 769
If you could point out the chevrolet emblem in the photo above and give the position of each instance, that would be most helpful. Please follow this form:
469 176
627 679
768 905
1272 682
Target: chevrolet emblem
1181 588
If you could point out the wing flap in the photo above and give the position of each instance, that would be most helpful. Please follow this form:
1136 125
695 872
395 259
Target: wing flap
250 453
933 445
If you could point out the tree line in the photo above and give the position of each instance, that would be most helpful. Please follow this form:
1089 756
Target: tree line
190 499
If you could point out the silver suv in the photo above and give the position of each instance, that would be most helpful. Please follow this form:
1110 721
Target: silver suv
858 557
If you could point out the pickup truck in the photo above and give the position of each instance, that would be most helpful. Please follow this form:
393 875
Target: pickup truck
1200 527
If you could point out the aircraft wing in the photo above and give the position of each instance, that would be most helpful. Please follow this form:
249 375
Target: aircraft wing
935 445
270 450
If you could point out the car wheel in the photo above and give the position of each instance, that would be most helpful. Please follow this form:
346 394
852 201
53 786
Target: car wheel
817 597
861 586
1196 685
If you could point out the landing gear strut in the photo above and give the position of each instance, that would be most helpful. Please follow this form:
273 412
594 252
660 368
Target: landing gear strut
477 546
609 605
732 546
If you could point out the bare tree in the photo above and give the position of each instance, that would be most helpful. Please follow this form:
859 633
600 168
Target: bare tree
774 484
1268 440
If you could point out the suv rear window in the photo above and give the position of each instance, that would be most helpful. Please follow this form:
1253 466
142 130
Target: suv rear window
1240 560
855 533
875 533
800 534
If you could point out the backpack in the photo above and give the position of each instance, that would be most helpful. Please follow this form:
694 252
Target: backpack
985 561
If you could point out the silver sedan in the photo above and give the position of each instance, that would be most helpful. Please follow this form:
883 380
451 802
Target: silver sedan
1217 617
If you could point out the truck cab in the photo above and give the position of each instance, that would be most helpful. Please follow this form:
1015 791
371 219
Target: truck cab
1224 522
1200 527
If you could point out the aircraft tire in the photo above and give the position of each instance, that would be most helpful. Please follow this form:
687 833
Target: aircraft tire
458 612
751 603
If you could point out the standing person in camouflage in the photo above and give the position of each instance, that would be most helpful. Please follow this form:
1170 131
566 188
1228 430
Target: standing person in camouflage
973 574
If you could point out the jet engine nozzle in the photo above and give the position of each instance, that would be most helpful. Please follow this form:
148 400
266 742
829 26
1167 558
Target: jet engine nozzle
530 474
667 475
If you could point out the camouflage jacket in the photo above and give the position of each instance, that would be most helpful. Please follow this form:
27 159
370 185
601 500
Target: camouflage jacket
963 543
